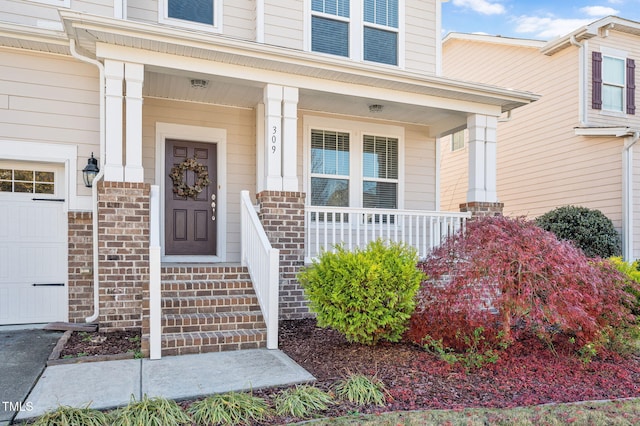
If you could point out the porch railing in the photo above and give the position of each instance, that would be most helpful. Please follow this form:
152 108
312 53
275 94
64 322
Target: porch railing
263 263
155 296
356 227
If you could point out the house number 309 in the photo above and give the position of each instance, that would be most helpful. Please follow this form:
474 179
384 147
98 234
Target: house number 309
274 139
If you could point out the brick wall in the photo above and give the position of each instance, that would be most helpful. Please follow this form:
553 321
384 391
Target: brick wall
282 216
482 208
80 258
123 253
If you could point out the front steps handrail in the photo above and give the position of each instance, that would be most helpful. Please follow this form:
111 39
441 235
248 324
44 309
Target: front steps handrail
263 263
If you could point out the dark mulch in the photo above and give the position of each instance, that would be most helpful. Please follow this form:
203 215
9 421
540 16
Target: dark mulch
83 343
527 374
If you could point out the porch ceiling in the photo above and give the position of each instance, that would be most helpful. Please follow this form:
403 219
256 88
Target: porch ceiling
172 84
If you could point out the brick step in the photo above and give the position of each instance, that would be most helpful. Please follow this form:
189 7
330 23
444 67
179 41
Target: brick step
203 273
207 288
212 341
209 304
224 321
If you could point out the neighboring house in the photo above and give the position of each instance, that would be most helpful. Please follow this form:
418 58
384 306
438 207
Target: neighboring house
577 144
326 113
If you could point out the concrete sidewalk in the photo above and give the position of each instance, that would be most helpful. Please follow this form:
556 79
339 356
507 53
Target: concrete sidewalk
110 384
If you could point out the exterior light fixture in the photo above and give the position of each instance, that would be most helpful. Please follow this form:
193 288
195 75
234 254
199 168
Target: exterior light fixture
90 171
375 108
198 83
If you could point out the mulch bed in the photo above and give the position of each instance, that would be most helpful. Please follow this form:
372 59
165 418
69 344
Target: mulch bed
528 373
83 344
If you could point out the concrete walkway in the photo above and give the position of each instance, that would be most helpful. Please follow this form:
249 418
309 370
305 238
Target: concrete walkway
110 384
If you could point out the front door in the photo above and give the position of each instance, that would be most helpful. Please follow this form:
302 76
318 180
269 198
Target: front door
190 198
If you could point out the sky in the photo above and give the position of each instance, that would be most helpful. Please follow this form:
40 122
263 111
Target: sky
531 19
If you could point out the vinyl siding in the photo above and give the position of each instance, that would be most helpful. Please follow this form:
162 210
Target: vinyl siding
241 152
238 19
50 99
284 23
36 14
619 41
420 36
541 163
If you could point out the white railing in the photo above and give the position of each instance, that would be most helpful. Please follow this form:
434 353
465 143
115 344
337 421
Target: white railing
263 263
356 227
155 296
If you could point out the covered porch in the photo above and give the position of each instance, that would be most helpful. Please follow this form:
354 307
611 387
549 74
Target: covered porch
302 151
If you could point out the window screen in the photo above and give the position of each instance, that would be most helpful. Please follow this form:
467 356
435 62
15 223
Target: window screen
613 74
380 172
329 36
380 46
329 168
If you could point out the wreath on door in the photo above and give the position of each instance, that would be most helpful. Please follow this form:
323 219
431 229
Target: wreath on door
180 185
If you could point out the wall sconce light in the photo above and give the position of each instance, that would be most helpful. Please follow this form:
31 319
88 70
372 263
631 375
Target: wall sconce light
375 108
90 171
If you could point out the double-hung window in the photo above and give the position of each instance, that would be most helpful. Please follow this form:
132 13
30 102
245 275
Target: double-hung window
381 31
330 26
367 30
354 166
613 82
196 14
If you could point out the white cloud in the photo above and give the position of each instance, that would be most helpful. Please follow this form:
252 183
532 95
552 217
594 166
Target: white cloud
598 11
483 7
548 27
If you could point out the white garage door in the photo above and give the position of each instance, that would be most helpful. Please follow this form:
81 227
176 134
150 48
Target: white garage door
33 244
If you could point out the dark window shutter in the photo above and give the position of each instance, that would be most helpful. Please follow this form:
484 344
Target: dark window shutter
631 86
596 80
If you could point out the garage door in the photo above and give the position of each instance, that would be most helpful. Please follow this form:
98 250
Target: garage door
33 244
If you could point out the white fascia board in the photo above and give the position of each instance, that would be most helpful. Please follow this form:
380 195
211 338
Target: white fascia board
495 39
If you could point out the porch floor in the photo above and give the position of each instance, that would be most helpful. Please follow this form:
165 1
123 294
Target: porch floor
174 377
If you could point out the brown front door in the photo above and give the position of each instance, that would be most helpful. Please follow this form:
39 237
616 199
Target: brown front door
190 220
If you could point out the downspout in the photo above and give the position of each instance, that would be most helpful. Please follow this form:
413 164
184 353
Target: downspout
627 198
99 176
581 79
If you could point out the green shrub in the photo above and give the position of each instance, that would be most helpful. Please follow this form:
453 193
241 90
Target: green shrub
633 286
301 401
151 412
231 408
589 230
70 416
367 295
362 390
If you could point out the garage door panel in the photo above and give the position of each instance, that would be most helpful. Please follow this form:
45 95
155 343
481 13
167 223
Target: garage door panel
33 259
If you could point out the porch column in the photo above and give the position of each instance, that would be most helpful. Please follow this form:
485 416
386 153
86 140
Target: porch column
273 137
289 138
482 158
114 75
134 76
482 196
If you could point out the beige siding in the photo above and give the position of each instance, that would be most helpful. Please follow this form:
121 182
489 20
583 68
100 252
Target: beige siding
31 13
238 19
241 158
626 43
420 36
284 23
454 175
636 201
541 163
50 99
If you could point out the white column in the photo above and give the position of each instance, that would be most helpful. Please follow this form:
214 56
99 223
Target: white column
114 74
134 76
273 137
290 139
491 159
476 126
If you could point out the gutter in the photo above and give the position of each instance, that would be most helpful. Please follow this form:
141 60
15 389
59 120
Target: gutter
99 176
627 197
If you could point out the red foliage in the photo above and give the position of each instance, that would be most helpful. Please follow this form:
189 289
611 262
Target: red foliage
513 278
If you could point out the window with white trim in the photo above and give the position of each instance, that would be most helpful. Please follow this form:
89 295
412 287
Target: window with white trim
350 167
195 14
613 82
457 141
367 30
